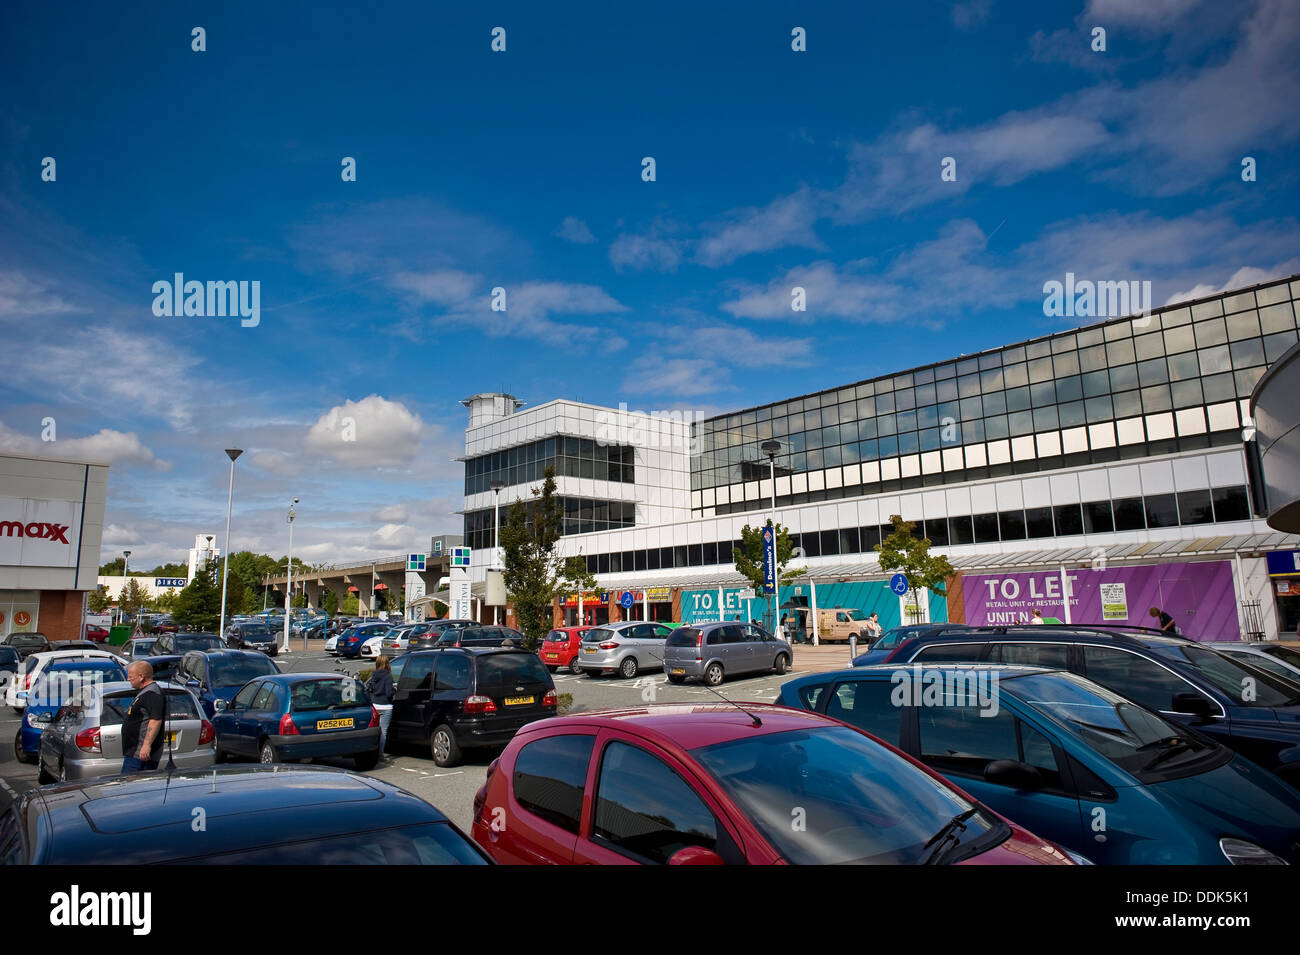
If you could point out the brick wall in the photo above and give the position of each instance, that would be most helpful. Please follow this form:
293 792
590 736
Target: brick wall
60 615
956 605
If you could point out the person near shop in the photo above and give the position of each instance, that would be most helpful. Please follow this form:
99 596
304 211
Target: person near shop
380 688
873 628
796 629
1167 623
1037 617
144 720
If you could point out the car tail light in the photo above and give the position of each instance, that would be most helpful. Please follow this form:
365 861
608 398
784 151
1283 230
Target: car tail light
480 704
88 741
27 681
611 645
207 734
287 727
374 718
550 699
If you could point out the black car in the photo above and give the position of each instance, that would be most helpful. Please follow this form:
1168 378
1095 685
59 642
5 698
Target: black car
253 636
427 634
463 698
27 643
10 660
476 636
274 815
1249 710
169 643
164 667
216 675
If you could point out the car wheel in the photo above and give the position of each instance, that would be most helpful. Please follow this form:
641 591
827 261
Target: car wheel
268 755
218 754
19 755
446 752
44 778
628 668
676 679
573 666
713 674
366 761
781 663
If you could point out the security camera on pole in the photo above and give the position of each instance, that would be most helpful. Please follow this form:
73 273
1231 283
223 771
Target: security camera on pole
288 590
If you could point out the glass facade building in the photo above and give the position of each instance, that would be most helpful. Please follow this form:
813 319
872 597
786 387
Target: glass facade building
569 456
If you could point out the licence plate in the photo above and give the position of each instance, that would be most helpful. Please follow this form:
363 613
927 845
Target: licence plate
518 700
171 739
677 672
552 656
334 724
588 649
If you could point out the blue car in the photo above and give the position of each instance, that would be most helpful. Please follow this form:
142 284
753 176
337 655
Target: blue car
217 675
51 690
1071 761
300 716
352 639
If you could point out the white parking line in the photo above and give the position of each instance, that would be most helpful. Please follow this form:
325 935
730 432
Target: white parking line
9 789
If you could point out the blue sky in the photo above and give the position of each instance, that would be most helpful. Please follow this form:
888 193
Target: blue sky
522 169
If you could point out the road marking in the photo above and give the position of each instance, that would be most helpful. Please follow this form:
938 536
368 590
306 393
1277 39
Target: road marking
459 772
9 789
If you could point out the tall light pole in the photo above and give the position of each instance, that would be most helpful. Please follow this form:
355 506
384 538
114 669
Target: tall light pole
373 613
771 448
126 554
288 590
231 453
496 536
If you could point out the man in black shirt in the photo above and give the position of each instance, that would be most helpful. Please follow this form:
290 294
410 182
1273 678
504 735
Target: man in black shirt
1166 622
144 720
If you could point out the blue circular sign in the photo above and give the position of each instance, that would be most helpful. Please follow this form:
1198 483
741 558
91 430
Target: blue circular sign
627 600
898 584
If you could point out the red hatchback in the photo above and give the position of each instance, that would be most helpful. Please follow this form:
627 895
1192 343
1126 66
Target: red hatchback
712 784
560 648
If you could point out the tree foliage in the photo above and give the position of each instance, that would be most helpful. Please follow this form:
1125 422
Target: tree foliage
99 599
133 597
903 552
198 606
534 575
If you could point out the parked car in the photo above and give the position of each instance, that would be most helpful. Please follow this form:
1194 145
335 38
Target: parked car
1049 749
624 648
58 682
332 645
184 642
712 785
138 648
10 663
891 639
1245 708
300 716
96 634
712 652
351 640
561 648
33 665
455 699
216 675
476 636
372 648
27 643
1278 659
84 739
398 639
164 667
165 625
286 815
254 636
437 629
835 624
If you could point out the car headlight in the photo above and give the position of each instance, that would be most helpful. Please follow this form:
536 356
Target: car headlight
1240 852
1076 858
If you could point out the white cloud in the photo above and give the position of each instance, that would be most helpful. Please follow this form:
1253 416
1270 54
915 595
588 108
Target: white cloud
967 16
1154 14
784 222
394 513
640 252
681 377
20 297
1242 278
573 229
372 432
104 447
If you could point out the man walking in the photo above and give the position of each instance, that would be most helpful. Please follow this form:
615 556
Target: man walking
1166 621
144 720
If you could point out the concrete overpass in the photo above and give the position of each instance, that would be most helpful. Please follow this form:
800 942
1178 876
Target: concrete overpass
364 579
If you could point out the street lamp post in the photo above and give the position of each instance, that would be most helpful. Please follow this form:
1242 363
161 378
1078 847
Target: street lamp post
231 453
126 555
288 590
496 535
771 448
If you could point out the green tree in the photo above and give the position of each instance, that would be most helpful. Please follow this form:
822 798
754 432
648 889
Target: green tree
903 552
132 598
99 599
198 606
114 568
170 570
534 574
351 606
749 558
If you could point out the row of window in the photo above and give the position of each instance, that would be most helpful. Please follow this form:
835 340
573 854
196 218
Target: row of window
1185 508
569 456
582 515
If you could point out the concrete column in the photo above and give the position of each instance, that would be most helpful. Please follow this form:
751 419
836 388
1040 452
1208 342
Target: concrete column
314 590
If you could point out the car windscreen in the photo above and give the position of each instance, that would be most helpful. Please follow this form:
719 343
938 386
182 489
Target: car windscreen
500 669
327 693
598 635
1128 735
180 706
8 655
24 640
858 801
184 642
858 615
62 682
683 637
1229 676
1285 654
254 630
237 672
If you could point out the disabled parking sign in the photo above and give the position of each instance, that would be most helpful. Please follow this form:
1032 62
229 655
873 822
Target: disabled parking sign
898 584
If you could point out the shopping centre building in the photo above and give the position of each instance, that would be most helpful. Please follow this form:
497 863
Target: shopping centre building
1091 474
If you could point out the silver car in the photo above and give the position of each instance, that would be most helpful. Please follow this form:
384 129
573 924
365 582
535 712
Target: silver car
623 648
714 651
85 737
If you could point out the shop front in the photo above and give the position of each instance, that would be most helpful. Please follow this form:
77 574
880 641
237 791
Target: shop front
1284 575
594 609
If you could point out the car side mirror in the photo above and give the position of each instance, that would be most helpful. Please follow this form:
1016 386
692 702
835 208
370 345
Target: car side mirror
192 683
220 704
1193 704
695 855
1008 772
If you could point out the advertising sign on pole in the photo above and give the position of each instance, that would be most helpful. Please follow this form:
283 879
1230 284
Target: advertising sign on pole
461 607
769 561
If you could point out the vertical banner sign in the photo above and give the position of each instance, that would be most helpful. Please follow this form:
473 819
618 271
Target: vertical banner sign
414 587
769 561
461 608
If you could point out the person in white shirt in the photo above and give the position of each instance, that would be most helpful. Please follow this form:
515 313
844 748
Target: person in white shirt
1037 617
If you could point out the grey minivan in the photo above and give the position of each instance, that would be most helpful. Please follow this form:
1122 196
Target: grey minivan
624 648
715 651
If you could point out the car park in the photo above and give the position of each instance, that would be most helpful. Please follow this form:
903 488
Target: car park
217 675
332 645
455 699
624 648
1048 748
398 639
253 636
96 634
351 640
300 716
138 648
28 643
58 682
714 784
437 629
561 647
32 667
891 639
1183 680
184 642
372 647
1278 659
164 667
256 815
478 636
84 739
713 652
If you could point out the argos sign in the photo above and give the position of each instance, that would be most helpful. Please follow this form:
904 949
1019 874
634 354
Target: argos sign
37 533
